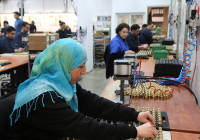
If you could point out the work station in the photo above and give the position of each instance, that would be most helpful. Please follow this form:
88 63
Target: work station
99 70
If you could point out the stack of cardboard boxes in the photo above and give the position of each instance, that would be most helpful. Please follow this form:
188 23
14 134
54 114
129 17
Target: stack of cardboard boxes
39 42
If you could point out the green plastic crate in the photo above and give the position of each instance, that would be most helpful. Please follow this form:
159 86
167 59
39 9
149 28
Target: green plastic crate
161 40
160 54
158 48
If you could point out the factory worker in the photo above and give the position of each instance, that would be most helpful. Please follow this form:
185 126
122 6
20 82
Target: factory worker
51 105
7 42
117 49
21 38
146 36
133 39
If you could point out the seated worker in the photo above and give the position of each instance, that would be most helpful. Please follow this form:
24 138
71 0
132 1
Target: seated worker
6 25
144 26
133 39
117 48
7 43
146 36
62 31
68 31
21 38
50 105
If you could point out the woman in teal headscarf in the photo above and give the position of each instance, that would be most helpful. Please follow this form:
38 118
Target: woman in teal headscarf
51 106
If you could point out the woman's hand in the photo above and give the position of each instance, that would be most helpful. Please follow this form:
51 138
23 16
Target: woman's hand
145 117
143 47
129 52
146 130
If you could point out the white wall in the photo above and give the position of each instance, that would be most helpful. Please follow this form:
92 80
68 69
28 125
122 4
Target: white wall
134 6
45 13
88 10
33 6
102 7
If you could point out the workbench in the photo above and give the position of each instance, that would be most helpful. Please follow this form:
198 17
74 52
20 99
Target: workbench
183 112
18 70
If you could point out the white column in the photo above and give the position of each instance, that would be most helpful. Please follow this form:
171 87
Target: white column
181 32
85 20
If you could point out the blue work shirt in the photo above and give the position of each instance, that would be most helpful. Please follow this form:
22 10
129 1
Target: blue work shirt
7 45
133 42
18 25
21 40
146 36
4 29
118 45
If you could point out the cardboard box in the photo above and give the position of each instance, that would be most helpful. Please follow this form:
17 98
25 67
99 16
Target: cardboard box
39 42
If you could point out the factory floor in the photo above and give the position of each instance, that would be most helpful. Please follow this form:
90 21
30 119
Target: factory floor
94 81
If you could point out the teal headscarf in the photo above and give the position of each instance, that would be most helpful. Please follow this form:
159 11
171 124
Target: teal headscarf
52 72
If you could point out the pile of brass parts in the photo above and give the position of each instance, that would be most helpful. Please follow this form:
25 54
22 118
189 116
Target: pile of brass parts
145 52
156 113
148 90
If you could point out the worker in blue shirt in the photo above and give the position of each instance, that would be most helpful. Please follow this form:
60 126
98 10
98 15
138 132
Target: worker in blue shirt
7 43
117 48
118 45
144 26
6 25
146 36
21 38
133 39
18 22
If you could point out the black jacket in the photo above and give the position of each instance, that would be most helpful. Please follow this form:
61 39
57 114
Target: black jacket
133 42
64 33
146 36
57 120
109 61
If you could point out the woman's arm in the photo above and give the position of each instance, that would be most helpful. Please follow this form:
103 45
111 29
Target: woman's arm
58 118
98 107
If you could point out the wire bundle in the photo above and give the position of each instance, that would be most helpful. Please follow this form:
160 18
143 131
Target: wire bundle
185 73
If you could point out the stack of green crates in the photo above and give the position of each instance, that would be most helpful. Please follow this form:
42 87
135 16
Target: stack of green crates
160 52
158 48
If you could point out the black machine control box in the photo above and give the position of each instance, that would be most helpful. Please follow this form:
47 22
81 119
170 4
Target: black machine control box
166 67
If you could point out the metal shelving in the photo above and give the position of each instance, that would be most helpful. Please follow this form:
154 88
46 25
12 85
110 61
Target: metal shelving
100 44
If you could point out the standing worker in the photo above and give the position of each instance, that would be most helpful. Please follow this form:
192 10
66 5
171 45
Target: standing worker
18 22
133 39
33 28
